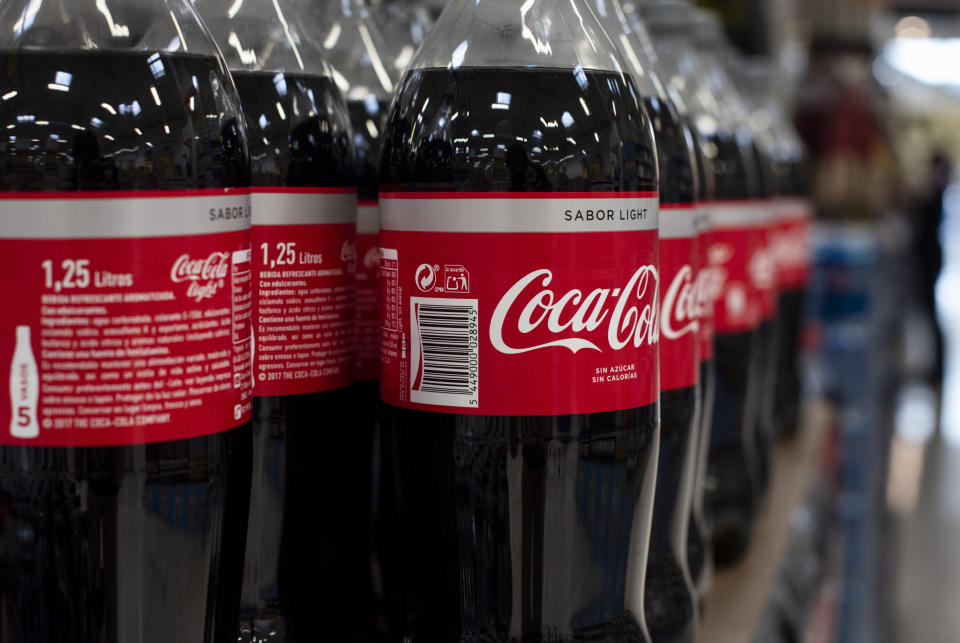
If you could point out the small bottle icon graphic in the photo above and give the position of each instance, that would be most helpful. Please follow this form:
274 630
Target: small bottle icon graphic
24 388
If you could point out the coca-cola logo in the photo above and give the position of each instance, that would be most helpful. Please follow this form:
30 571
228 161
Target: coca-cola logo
720 254
712 279
708 288
715 275
680 312
737 302
762 269
790 248
629 314
206 276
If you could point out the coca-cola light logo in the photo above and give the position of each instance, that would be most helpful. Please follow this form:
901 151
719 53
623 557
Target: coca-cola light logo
206 276
623 316
681 308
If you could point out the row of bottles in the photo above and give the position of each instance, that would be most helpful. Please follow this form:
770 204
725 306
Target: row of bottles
342 326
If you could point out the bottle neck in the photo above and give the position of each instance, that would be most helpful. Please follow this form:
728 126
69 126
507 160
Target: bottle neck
558 34
634 40
120 25
263 37
685 71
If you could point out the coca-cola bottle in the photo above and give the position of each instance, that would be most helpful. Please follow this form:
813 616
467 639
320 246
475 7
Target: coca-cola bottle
306 555
353 45
519 364
732 480
726 69
777 158
757 223
708 282
790 235
364 70
792 247
670 607
698 554
125 475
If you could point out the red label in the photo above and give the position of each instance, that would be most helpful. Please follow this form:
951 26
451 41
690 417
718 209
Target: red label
708 286
304 248
504 304
368 292
792 243
763 272
128 321
737 255
679 327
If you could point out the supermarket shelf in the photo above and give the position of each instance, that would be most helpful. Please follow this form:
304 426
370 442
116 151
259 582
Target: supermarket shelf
740 594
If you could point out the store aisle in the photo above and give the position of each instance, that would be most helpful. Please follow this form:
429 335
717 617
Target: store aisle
928 570
928 573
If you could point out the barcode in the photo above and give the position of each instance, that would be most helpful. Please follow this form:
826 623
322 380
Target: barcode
445 337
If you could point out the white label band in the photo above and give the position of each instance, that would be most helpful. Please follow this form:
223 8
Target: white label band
153 215
794 209
368 219
678 222
741 214
303 208
555 213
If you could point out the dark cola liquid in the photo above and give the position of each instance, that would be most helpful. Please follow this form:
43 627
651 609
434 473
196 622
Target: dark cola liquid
732 481
137 543
669 597
699 552
368 118
485 498
792 307
308 555
766 382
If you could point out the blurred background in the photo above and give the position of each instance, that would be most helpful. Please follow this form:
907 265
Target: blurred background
874 89
867 547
